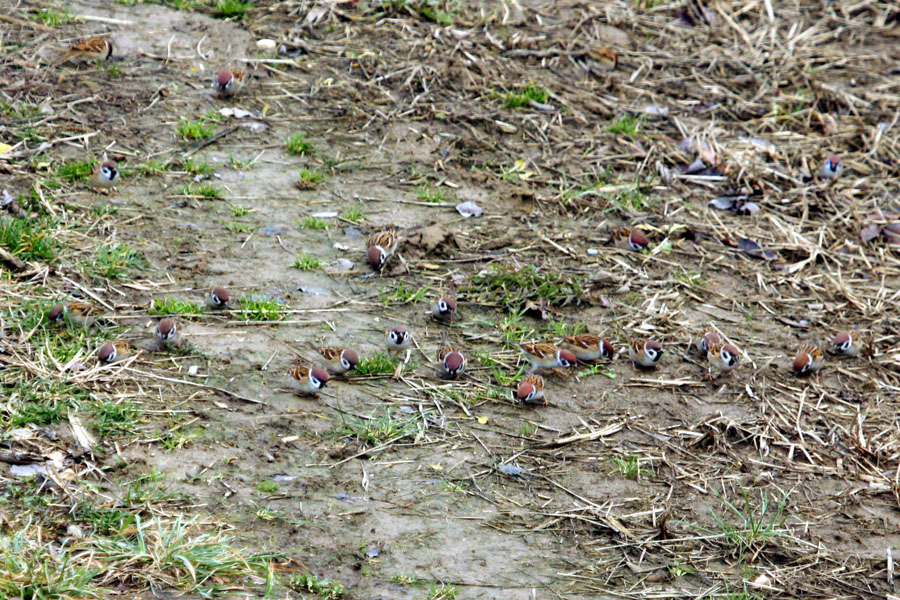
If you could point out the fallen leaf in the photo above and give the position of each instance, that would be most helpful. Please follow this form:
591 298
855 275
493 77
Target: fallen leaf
482 419
869 233
469 209
723 203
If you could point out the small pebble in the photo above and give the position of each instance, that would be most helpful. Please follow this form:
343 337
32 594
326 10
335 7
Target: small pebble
593 252
271 230
266 44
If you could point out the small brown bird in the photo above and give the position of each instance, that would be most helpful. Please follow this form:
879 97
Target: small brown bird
217 298
80 313
308 380
110 352
645 353
809 359
227 82
543 355
338 360
95 48
167 332
587 347
724 357
380 247
708 338
843 344
444 308
531 389
397 340
630 239
104 175
452 361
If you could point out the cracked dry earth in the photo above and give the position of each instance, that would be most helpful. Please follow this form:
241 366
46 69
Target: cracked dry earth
493 499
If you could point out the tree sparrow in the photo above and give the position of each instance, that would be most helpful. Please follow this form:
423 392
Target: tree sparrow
587 347
543 355
707 340
339 360
397 340
110 352
843 344
380 247
167 332
645 353
444 308
217 298
105 175
723 357
630 239
531 389
832 168
95 48
308 380
80 313
808 360
227 83
452 361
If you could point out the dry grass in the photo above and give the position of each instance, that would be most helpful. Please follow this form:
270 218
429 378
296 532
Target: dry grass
653 484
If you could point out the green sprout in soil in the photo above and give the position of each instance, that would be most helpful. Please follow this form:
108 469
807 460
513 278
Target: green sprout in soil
153 166
298 144
193 130
523 96
753 525
627 125
39 402
429 194
309 178
306 262
28 239
377 364
240 164
676 569
173 306
514 286
232 9
117 260
239 211
260 308
195 166
267 487
402 295
597 369
54 18
353 215
203 190
323 588
75 170
630 467
234 227
442 591
114 418
562 329
633 198
314 223
379 430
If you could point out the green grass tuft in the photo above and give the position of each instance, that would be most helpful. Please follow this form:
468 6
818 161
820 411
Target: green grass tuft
323 588
314 223
232 9
378 430
194 130
298 144
377 364
116 261
630 467
173 306
306 262
260 308
75 170
428 194
203 190
54 18
627 125
514 287
195 166
309 178
354 214
522 96
29 239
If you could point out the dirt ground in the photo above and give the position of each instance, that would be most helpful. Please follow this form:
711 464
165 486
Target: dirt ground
627 484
